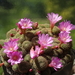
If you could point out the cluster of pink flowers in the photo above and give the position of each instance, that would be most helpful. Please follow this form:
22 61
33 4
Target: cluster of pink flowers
10 48
44 40
65 27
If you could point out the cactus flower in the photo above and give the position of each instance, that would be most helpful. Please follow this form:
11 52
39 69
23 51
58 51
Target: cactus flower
64 37
55 63
35 53
10 46
53 18
45 40
66 26
15 57
25 23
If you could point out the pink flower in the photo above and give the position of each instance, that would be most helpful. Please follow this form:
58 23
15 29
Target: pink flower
10 46
15 57
66 26
55 63
35 53
45 40
38 50
25 24
53 18
64 37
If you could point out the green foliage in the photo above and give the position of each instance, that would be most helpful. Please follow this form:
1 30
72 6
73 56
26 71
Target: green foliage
1 70
64 7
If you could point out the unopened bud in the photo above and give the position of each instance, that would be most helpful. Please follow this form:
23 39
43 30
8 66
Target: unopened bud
35 25
12 35
38 32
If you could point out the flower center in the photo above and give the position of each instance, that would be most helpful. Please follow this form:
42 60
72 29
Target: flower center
64 29
25 25
15 57
11 49
44 42
64 39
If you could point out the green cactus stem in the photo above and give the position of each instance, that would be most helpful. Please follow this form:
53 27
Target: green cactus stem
29 36
55 53
66 46
4 55
19 44
24 52
55 40
63 62
35 31
67 58
24 67
27 58
47 50
21 37
11 33
48 57
60 51
44 31
17 35
27 45
40 63
15 67
55 30
35 41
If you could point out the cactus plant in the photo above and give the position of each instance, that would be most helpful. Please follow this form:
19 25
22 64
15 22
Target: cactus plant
35 49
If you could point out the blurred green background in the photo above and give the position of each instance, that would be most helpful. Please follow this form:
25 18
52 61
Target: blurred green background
11 11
